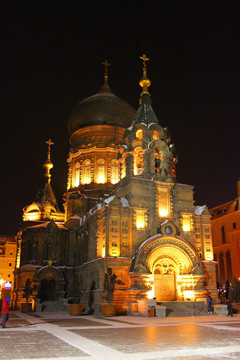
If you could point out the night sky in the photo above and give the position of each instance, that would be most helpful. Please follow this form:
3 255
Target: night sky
51 54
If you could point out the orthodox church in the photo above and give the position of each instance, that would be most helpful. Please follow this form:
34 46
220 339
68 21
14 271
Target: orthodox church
123 212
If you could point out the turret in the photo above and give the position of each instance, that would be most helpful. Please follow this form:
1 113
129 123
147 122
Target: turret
147 148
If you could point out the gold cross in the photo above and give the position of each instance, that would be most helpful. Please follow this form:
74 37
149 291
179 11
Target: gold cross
49 142
50 262
144 59
106 64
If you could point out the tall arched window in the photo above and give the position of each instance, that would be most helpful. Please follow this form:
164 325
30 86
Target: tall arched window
138 162
157 160
101 171
229 266
114 172
87 172
76 174
215 259
139 134
223 235
33 254
221 268
49 251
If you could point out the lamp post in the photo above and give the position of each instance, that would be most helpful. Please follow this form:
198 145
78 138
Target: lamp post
1 285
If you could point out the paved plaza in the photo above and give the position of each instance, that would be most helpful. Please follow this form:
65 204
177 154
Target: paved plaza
64 337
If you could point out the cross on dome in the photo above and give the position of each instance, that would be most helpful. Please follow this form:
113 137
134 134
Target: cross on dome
106 65
144 58
49 142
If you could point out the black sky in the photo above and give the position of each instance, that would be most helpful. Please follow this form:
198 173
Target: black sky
51 54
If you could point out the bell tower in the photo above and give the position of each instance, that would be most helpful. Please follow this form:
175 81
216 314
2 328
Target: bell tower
147 149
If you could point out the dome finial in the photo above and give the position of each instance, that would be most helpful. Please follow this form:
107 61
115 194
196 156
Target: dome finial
48 165
144 82
106 65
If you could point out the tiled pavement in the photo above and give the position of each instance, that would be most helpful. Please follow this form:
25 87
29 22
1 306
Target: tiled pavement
60 336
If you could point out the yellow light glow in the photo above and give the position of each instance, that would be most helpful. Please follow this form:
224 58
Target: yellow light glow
209 257
115 252
103 251
87 172
163 212
2 282
140 220
76 174
151 293
138 161
186 224
32 216
101 179
114 172
101 171
188 294
139 134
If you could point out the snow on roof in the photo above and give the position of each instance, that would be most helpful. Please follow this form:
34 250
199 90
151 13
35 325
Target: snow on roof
99 206
124 202
109 199
199 209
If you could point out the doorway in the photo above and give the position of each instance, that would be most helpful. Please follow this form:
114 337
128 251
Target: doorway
48 290
164 282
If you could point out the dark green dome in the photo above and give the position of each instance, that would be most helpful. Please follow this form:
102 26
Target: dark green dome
101 108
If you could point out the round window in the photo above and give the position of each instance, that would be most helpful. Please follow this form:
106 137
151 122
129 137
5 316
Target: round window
168 230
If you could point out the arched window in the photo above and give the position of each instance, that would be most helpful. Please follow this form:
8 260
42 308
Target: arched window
101 171
33 254
49 251
223 235
155 134
87 172
139 134
229 266
114 172
157 161
138 162
122 169
221 268
215 259
76 174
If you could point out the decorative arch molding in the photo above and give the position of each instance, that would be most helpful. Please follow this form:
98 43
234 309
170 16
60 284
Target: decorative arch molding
172 247
51 273
48 272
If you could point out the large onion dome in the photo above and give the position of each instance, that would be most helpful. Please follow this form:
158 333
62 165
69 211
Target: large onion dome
103 108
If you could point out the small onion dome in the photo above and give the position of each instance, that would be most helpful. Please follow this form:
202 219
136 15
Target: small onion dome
103 108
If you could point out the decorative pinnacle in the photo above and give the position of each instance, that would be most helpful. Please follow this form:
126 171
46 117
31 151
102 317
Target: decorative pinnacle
48 165
144 82
106 65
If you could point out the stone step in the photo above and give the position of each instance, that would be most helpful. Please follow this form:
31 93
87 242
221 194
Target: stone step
182 309
51 306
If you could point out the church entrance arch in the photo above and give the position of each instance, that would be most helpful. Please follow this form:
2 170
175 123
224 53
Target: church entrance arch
165 281
50 282
171 264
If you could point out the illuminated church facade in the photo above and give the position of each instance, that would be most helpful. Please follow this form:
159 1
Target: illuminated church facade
123 209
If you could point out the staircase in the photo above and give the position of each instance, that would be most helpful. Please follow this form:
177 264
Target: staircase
181 309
